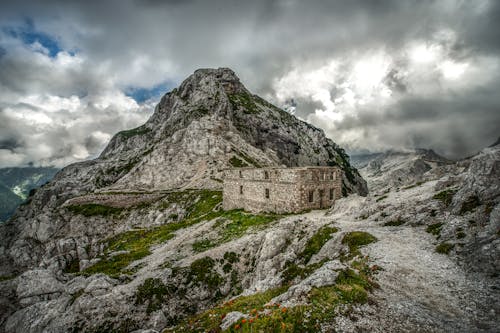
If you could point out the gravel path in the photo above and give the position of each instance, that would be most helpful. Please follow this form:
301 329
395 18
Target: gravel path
420 290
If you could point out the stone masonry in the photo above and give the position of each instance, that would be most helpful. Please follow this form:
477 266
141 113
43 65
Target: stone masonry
281 190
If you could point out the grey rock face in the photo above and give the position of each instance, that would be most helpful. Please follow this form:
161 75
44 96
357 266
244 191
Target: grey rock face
37 285
396 169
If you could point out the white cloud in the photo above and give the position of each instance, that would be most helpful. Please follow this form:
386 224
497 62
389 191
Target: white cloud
453 70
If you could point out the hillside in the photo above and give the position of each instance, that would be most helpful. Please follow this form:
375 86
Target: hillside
136 240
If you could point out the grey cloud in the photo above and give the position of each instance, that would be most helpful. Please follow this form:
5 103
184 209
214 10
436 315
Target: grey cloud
144 42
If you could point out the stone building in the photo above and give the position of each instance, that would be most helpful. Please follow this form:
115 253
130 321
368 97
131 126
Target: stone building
281 190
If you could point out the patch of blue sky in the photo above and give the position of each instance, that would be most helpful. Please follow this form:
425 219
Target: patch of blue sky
29 35
143 94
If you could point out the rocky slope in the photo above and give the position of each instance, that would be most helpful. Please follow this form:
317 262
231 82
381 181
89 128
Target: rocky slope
398 168
139 193
416 258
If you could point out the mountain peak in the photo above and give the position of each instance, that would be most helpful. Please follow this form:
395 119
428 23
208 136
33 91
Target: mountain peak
211 81
211 122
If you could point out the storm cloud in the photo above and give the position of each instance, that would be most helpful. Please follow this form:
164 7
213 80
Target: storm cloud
374 75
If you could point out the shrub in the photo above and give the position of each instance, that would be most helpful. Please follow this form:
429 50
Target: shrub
231 257
434 228
445 196
153 292
237 163
444 248
72 267
471 203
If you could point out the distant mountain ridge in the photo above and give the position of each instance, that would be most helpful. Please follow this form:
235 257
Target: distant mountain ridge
398 168
16 184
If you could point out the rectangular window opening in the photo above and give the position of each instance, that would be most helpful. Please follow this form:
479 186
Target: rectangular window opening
311 195
241 189
266 175
331 194
267 193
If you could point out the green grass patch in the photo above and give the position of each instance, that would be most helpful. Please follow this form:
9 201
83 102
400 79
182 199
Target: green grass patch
316 242
203 271
434 229
210 320
200 205
243 160
202 245
444 248
7 277
381 198
356 239
293 270
94 210
244 101
322 306
134 131
394 223
445 196
233 224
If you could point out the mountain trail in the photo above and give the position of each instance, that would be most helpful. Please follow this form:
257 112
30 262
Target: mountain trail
420 289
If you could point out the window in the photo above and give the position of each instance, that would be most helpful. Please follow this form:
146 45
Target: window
332 176
311 195
267 193
266 175
241 174
241 189
331 194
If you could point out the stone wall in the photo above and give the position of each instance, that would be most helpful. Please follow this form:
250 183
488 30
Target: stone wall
281 190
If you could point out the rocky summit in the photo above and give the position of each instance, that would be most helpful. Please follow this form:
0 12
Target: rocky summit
137 240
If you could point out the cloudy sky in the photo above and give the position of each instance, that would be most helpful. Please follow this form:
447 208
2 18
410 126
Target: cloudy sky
375 75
